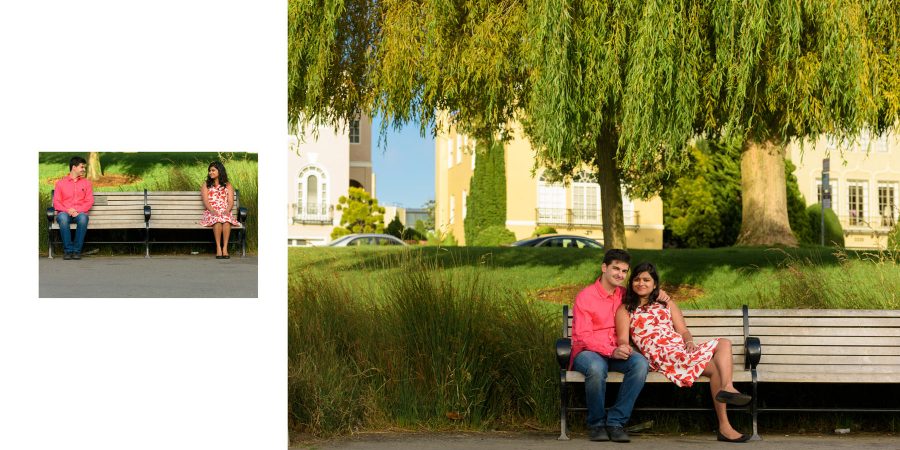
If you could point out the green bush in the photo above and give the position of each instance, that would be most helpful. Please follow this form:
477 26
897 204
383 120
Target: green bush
494 236
486 203
796 206
543 229
834 234
395 228
441 239
894 238
412 234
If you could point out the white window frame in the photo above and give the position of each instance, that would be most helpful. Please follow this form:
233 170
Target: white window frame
893 213
459 147
552 197
449 152
861 218
322 190
452 209
353 132
465 198
472 151
835 198
582 212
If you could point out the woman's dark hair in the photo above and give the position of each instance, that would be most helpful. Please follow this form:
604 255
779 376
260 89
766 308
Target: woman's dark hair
223 175
632 300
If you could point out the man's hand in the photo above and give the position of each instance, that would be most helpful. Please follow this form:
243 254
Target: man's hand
621 352
72 212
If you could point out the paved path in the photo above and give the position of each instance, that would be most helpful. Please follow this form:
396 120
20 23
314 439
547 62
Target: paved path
534 441
155 277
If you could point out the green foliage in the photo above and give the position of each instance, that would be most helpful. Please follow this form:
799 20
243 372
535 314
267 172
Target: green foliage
703 205
834 234
395 227
439 239
796 205
361 214
486 204
494 236
894 238
412 234
543 229
429 223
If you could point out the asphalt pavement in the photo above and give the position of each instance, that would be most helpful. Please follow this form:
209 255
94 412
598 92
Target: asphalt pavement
196 276
535 441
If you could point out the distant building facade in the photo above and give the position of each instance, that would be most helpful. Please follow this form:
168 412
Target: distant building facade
865 184
532 200
321 170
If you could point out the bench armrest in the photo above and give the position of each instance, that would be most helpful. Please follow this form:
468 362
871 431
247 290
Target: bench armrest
51 214
563 352
147 210
752 352
242 214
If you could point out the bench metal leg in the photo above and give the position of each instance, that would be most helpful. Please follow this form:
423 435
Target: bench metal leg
243 243
563 406
50 240
754 411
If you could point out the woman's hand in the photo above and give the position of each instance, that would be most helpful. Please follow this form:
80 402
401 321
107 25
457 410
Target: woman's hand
690 346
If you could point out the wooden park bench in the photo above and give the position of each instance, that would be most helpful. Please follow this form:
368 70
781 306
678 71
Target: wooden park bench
704 325
782 346
147 211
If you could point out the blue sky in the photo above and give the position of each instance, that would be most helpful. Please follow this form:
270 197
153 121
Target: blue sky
404 166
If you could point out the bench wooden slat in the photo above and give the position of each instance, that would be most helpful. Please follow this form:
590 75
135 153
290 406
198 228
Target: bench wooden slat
776 332
828 340
831 369
652 377
831 350
807 322
853 313
833 360
773 376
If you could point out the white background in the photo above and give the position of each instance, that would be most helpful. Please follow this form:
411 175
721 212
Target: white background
186 75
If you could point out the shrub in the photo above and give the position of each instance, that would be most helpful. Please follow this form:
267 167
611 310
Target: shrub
486 204
412 234
437 238
494 236
395 228
543 229
894 238
834 234
796 206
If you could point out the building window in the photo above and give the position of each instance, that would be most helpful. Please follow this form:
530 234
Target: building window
856 202
551 207
312 196
459 147
887 203
586 200
473 154
882 145
449 152
629 216
354 131
452 209
465 199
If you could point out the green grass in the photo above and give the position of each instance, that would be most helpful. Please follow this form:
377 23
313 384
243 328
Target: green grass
156 171
456 338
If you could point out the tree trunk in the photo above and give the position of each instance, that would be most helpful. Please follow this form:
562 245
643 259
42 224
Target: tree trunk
93 166
610 192
763 189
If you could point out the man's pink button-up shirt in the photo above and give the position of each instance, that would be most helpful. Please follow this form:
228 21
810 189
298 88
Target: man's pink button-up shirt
69 193
594 320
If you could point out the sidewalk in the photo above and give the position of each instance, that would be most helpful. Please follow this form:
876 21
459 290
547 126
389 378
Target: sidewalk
534 441
200 276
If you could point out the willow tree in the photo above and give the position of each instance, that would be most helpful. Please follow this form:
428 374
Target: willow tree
767 72
94 170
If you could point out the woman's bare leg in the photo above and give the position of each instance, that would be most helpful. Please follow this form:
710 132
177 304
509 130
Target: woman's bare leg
225 234
716 384
217 233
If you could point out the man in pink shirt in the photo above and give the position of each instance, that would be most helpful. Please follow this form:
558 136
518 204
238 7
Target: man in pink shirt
73 197
595 351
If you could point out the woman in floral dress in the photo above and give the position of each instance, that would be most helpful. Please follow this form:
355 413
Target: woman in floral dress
658 330
218 199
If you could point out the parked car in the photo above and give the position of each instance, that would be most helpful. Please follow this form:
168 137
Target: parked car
365 239
558 240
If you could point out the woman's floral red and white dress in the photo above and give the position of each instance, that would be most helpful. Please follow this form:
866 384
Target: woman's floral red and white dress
217 196
655 336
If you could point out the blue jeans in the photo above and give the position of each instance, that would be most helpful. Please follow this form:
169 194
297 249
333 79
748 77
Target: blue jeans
595 367
81 225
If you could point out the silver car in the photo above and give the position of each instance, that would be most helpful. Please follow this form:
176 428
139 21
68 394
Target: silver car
559 240
365 239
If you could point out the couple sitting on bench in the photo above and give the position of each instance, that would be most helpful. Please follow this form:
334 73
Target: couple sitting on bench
607 317
73 198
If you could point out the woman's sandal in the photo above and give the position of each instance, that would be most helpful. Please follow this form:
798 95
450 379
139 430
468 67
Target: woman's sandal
721 437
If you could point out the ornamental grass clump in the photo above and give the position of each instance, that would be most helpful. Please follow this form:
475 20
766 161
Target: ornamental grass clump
428 348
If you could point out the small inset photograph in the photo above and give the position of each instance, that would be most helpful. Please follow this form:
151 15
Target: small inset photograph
148 224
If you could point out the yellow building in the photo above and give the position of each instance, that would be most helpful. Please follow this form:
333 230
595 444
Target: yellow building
865 183
530 200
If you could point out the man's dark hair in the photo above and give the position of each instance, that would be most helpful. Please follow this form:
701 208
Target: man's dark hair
616 254
76 160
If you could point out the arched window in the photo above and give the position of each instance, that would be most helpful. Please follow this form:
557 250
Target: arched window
312 195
